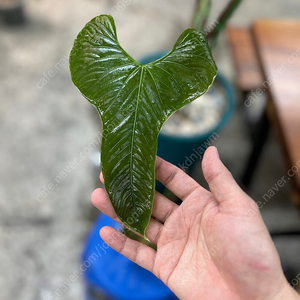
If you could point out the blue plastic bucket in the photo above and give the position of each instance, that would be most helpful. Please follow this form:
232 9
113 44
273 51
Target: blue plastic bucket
110 273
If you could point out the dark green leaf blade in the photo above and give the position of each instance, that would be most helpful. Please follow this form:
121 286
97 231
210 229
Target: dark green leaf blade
134 101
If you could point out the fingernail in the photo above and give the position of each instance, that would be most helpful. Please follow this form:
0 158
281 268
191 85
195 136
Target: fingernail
216 151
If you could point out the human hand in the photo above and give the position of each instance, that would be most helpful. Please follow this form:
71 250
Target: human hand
208 247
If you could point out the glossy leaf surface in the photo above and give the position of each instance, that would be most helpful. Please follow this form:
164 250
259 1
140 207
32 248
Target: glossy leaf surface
134 101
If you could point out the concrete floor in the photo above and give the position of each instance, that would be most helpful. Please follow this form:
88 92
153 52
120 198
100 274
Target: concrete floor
46 124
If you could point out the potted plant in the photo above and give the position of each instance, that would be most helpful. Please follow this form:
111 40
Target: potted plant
194 127
186 135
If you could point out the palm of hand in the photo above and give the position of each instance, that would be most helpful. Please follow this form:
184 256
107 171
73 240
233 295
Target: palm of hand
207 251
208 247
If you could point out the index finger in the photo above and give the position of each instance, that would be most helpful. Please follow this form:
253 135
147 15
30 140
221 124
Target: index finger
176 180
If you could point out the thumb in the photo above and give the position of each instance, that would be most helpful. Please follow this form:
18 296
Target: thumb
221 183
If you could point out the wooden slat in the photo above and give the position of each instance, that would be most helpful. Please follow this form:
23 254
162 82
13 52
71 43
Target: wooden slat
278 48
248 74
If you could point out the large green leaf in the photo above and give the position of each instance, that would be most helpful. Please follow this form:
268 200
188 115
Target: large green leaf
134 101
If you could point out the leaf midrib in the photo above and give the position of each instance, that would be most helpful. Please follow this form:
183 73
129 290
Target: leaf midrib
133 134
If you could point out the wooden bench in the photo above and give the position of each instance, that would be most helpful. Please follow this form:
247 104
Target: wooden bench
248 73
278 48
267 57
248 78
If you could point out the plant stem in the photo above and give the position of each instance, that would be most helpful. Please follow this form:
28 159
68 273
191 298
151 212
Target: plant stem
202 11
222 21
